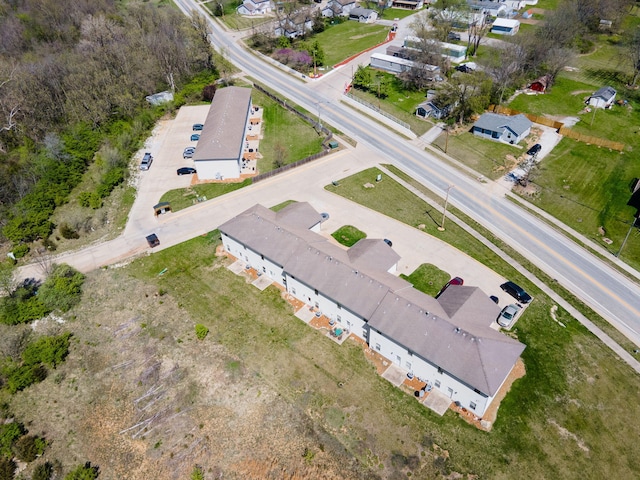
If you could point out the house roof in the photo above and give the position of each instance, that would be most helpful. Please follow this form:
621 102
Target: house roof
391 59
506 22
452 332
544 81
344 3
606 93
361 12
481 359
223 131
494 122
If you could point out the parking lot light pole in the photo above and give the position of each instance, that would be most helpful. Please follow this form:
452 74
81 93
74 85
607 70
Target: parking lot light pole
444 212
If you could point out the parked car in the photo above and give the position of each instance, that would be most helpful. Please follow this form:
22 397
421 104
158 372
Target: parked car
516 292
388 242
146 162
464 68
324 217
152 240
494 299
453 281
197 127
508 315
186 171
534 150
195 137
453 36
188 152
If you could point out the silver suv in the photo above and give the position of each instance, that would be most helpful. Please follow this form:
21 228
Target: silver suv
146 161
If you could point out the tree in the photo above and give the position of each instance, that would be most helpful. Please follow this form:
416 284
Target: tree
7 469
62 288
197 473
503 66
28 447
477 30
633 53
362 78
280 155
468 93
7 279
83 472
42 471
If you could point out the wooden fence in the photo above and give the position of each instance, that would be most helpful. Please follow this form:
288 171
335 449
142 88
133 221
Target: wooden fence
562 130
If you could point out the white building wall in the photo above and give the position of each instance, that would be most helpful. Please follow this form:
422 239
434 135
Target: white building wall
254 259
328 307
217 169
425 371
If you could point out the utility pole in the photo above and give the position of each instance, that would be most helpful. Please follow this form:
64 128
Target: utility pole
446 140
625 239
444 212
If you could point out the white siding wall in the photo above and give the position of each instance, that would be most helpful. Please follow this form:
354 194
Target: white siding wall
328 307
428 372
264 265
213 169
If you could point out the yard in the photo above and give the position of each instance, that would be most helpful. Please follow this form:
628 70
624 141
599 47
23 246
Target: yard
348 235
492 159
348 38
428 279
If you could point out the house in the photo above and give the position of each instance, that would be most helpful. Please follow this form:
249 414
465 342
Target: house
219 152
502 128
540 84
603 98
294 26
447 342
363 15
433 108
255 7
338 8
407 4
488 8
401 52
505 26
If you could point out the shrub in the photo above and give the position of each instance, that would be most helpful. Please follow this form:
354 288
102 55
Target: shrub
68 232
28 447
201 331
83 472
24 376
7 469
42 472
90 200
20 251
9 433
197 473
62 288
15 310
50 351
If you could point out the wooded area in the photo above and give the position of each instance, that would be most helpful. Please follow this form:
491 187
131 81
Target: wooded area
73 81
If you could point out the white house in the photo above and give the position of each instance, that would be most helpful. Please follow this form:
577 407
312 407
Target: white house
455 53
255 7
338 8
447 342
219 152
603 98
390 63
505 26
407 4
295 26
363 15
492 9
502 128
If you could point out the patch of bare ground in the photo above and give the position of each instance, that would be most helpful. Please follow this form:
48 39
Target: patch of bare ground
142 398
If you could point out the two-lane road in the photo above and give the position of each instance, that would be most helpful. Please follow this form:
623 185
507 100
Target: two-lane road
601 287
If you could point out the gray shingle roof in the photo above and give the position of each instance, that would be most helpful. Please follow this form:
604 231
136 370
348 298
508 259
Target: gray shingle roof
606 93
223 132
497 123
360 12
455 335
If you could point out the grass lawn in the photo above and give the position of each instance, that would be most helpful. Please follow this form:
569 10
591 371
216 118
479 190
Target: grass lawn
484 156
588 187
280 206
566 98
547 4
554 395
238 22
400 103
343 40
348 235
428 279
399 13
185 197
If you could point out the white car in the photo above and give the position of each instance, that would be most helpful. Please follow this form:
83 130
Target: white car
508 315
188 152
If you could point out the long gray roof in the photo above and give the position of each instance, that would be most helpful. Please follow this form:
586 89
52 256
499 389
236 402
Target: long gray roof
498 123
452 332
223 133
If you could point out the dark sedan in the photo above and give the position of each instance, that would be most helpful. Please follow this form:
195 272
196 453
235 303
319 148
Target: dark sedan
516 292
186 171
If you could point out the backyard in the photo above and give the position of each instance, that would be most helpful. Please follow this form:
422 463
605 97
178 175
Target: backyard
345 39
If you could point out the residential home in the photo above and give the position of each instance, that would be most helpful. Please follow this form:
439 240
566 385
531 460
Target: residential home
255 7
295 26
502 128
338 8
363 15
390 64
603 98
451 51
407 4
447 342
488 8
505 26
433 108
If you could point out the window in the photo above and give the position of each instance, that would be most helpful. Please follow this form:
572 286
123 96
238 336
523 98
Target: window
472 405
377 346
339 307
317 306
339 318
316 291
262 257
264 269
293 290
440 370
437 383
408 365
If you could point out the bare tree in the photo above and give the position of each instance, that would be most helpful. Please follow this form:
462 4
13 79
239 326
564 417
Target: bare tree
503 66
633 54
280 155
9 105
